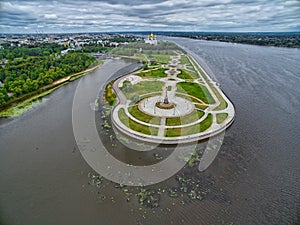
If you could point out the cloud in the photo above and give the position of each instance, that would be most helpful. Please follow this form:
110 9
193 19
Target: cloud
50 16
18 16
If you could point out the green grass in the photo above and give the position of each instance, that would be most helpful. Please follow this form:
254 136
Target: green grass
196 90
134 111
201 71
153 73
188 75
145 96
162 59
136 126
221 117
184 60
125 51
223 104
193 116
140 57
158 52
143 87
134 48
188 97
200 106
24 106
206 123
194 129
76 77
110 95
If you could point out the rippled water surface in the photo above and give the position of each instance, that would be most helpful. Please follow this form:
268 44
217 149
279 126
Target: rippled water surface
253 180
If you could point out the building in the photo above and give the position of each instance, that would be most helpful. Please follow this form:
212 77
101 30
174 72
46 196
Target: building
63 52
151 39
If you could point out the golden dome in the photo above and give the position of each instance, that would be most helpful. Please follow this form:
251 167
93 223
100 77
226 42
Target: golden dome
151 35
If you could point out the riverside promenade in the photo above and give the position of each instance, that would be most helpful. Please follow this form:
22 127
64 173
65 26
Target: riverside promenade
183 106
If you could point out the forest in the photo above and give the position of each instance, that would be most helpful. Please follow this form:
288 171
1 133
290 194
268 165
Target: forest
28 68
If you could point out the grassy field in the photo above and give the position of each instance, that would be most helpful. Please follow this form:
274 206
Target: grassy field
195 115
187 75
196 90
142 87
201 71
125 51
223 104
221 117
185 60
136 126
163 48
158 52
153 73
110 95
162 59
194 129
134 111
188 97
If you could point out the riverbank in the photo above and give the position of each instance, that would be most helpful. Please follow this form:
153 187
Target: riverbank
18 106
253 180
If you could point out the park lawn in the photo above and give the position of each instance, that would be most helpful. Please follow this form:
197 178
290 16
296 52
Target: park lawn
221 117
194 129
223 104
189 97
200 106
184 60
196 90
187 75
136 126
162 59
193 116
143 87
135 112
158 52
124 51
153 73
201 71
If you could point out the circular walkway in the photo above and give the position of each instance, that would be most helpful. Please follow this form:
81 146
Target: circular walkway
182 107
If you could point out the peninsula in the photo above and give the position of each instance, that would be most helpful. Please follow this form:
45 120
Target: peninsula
170 100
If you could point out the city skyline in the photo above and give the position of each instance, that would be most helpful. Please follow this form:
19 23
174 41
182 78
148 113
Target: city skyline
157 15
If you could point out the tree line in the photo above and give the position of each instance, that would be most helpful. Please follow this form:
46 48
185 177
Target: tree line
28 69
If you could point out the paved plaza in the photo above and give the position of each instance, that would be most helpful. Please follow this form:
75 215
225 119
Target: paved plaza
182 106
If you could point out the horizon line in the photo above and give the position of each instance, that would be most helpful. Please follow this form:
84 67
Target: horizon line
147 31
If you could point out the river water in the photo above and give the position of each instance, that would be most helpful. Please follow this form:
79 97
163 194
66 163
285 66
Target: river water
253 180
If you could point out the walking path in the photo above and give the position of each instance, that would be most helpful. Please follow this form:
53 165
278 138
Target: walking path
182 107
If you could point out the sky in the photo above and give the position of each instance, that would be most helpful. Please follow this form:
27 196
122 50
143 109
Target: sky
65 16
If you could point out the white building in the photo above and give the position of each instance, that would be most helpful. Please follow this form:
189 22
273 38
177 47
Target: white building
63 52
151 39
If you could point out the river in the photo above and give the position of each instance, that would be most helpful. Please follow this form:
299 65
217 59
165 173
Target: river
253 180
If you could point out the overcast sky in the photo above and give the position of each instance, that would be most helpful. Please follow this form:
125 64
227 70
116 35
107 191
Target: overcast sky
148 15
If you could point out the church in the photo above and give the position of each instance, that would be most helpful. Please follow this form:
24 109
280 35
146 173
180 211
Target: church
151 39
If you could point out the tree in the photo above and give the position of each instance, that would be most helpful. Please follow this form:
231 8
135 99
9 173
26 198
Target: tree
3 96
135 97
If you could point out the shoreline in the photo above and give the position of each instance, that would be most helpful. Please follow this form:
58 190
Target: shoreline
42 91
